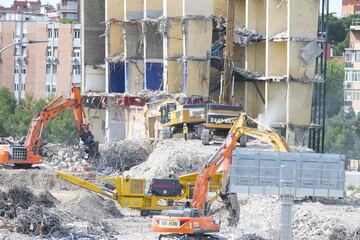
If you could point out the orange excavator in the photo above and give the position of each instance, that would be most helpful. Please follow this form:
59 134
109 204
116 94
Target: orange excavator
27 153
194 220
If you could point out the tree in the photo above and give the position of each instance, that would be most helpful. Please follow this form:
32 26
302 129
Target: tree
15 119
335 92
7 108
338 32
342 134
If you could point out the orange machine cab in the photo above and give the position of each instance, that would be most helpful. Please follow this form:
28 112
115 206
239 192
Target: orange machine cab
184 225
18 155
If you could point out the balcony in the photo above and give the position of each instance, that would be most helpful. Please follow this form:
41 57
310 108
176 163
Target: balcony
69 9
19 59
349 64
76 61
52 60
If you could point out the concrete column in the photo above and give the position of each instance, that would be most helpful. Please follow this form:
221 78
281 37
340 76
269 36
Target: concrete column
255 57
153 45
134 48
197 35
114 48
173 73
300 14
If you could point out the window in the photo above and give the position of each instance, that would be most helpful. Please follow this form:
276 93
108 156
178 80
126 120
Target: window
352 75
76 52
17 70
77 33
49 52
16 87
50 88
76 70
23 87
56 52
48 69
56 33
50 33
54 69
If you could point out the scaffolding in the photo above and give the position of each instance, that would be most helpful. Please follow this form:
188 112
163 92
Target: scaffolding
318 114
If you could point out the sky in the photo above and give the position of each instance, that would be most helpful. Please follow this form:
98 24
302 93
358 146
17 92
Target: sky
335 5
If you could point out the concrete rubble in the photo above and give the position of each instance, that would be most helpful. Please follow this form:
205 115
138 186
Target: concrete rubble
65 211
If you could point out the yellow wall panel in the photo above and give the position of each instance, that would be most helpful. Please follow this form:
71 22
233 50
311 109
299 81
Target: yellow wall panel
115 9
198 36
197 78
276 17
277 59
303 18
300 100
115 40
174 37
173 76
276 98
135 75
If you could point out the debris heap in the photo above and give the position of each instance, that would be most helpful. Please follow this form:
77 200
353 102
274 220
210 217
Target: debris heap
30 214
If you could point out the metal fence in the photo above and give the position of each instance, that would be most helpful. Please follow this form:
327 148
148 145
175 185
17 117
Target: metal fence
297 174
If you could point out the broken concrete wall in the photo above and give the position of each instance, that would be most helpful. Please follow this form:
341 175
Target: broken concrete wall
96 118
93 46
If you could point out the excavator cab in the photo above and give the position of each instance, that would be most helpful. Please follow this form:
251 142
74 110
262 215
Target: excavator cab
165 112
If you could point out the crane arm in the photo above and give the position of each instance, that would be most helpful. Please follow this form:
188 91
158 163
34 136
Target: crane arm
222 157
53 109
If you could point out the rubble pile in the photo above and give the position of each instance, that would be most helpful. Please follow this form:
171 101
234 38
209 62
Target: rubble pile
123 155
252 236
173 157
90 207
60 156
117 156
30 214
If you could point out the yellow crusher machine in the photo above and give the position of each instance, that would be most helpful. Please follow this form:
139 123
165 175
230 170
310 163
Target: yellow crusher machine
132 193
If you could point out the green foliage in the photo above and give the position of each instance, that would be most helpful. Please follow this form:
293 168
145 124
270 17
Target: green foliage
335 93
66 21
15 119
62 129
338 32
342 134
7 107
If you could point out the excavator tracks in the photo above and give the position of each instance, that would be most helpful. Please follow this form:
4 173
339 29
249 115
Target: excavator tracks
189 237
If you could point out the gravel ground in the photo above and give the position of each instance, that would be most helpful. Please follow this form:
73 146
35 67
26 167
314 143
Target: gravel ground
325 220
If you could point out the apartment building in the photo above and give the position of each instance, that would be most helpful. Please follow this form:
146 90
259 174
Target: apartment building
49 67
352 69
350 7
69 9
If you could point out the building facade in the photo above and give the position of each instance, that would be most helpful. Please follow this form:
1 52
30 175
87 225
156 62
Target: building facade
169 44
350 7
352 69
49 67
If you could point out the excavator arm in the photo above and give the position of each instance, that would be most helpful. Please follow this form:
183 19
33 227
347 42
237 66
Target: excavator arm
222 158
180 222
33 139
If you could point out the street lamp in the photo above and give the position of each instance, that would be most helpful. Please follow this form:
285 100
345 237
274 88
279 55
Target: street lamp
20 43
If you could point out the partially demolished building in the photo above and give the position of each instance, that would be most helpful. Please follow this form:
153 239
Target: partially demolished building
176 46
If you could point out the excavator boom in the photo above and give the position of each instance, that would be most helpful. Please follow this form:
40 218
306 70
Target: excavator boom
194 220
28 153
